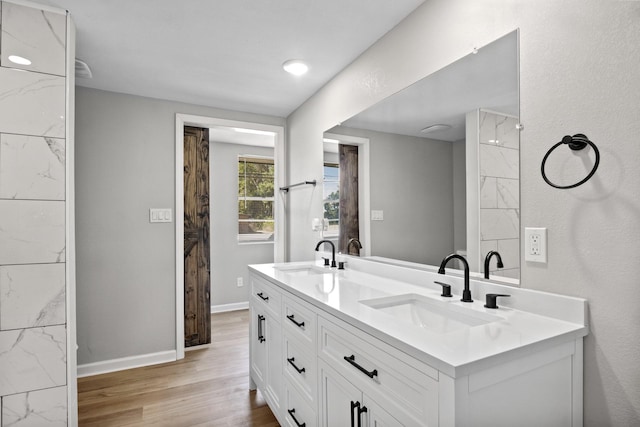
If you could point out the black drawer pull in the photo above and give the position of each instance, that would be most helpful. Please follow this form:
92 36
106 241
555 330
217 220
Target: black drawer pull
293 411
261 337
261 295
352 360
294 365
292 318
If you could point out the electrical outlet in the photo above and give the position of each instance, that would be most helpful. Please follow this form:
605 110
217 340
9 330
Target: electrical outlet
240 282
535 244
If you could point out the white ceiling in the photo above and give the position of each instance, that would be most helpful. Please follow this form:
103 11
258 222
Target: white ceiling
225 53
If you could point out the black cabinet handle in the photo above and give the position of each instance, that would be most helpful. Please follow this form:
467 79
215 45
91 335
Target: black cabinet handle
360 412
261 295
292 318
293 411
300 370
354 405
352 360
261 337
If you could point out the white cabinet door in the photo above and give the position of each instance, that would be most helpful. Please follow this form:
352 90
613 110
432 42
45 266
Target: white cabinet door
274 382
378 417
338 399
258 346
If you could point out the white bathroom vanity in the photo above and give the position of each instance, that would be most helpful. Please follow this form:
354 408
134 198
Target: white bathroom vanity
376 344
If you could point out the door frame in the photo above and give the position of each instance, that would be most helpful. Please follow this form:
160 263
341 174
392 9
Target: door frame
183 120
364 193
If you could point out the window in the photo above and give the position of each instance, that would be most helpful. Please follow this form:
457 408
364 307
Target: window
331 198
255 199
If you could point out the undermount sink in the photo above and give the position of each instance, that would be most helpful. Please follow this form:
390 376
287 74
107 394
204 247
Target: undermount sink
430 314
303 270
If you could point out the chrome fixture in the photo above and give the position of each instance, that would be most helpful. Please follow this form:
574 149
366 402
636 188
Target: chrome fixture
333 252
466 294
487 260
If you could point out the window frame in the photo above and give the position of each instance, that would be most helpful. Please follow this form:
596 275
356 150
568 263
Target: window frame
270 160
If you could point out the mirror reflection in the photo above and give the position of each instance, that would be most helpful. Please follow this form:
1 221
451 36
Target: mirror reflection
443 167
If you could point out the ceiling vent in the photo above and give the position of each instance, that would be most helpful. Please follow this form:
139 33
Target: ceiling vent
82 70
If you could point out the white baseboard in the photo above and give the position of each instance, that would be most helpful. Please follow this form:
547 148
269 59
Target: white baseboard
230 307
121 364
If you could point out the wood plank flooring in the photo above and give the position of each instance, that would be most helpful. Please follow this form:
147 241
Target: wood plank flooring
209 387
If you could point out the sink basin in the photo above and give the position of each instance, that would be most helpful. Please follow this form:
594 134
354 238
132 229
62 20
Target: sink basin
433 315
303 270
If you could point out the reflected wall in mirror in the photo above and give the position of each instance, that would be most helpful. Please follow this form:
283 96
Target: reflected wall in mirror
443 162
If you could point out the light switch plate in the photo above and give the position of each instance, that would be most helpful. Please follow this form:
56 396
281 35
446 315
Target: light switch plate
377 215
160 215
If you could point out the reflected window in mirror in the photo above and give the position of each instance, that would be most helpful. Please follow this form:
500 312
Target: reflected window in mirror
331 198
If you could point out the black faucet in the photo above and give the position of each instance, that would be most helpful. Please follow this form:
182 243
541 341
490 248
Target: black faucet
333 251
356 242
466 294
487 260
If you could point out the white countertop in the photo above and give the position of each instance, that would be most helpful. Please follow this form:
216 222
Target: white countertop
513 333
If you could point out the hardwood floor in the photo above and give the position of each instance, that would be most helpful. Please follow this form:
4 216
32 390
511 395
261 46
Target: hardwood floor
209 387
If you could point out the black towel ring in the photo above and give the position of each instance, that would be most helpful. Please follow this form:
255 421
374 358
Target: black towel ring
575 142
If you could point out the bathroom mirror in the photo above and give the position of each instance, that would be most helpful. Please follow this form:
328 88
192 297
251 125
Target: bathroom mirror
443 158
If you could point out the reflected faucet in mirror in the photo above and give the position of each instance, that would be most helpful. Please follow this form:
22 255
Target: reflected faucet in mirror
354 241
333 252
466 293
487 260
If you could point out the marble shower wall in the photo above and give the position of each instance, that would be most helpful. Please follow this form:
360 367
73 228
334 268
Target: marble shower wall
499 170
33 329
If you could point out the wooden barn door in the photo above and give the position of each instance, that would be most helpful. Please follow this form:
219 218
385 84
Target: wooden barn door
197 298
349 223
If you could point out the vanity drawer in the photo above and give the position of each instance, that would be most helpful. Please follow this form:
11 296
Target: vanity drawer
300 321
266 295
380 371
300 368
296 411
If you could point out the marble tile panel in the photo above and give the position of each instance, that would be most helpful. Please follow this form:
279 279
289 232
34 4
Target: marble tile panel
499 224
32 167
32 232
508 193
34 34
510 251
488 192
507 133
32 103
487 128
499 162
32 295
41 408
32 359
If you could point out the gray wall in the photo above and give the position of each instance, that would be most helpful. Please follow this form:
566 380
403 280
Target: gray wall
229 259
578 73
409 182
125 165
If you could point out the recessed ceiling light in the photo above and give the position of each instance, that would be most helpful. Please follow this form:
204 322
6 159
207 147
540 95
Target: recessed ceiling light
434 128
19 60
295 67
